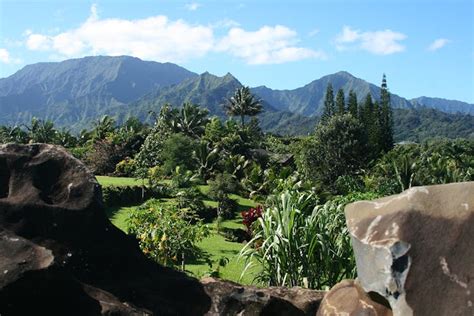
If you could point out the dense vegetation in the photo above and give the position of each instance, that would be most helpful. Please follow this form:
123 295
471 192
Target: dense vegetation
194 170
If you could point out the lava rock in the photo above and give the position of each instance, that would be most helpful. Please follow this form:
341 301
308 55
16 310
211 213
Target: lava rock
60 255
229 298
416 249
348 298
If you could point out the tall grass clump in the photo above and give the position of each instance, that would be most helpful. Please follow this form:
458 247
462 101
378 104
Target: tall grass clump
299 243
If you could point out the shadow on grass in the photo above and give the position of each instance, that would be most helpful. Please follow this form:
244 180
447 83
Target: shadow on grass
110 211
201 258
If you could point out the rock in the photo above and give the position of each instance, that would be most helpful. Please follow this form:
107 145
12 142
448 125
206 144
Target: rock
416 249
348 298
60 255
229 298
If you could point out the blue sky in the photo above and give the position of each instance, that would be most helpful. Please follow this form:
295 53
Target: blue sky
424 47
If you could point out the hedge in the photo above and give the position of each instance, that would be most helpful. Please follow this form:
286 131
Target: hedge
128 195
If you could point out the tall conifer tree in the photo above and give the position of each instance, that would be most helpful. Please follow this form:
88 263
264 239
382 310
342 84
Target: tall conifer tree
329 105
340 102
386 118
352 104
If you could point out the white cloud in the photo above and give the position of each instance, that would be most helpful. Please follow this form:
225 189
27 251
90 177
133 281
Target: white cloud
383 42
38 42
155 38
6 58
268 45
193 6
438 43
161 39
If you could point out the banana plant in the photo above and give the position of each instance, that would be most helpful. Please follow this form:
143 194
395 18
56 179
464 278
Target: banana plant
206 158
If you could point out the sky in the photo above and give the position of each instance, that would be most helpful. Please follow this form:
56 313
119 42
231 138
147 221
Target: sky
425 47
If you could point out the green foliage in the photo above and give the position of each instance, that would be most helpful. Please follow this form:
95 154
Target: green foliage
243 103
352 105
206 158
224 183
192 200
434 162
329 106
125 168
12 134
130 195
338 148
167 234
340 102
177 151
182 178
300 244
422 124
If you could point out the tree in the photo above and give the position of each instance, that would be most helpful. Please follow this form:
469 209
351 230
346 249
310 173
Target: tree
369 119
329 106
177 150
386 118
340 102
338 148
352 103
190 120
40 131
243 103
102 127
13 135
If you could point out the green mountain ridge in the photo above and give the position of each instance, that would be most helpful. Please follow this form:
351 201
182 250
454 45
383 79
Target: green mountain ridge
76 92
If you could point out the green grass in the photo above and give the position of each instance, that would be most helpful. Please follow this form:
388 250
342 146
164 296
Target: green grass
118 181
214 247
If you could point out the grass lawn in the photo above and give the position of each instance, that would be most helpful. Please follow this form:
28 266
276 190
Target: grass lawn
118 181
214 247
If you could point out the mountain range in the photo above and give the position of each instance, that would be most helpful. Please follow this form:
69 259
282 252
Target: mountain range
76 92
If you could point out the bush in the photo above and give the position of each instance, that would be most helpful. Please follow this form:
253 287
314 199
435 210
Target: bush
298 244
191 199
167 234
125 168
226 207
224 183
182 178
251 216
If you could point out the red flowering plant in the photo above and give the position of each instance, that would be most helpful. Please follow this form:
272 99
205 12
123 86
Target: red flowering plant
250 216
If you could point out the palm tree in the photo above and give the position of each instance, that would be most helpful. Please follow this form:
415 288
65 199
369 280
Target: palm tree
41 131
191 120
103 126
13 134
243 103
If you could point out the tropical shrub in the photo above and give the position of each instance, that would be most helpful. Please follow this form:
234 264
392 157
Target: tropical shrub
182 178
300 244
125 168
251 216
191 199
166 233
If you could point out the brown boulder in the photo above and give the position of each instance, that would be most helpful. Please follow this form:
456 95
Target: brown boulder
229 298
60 255
416 249
348 298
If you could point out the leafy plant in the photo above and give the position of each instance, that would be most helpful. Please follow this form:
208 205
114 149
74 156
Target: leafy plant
298 244
167 234
251 216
